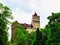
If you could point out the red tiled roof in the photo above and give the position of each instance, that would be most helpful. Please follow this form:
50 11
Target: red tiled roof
26 25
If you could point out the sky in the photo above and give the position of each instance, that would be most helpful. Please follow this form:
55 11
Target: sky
22 10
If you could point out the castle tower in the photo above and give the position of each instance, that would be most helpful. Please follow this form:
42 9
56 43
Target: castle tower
35 21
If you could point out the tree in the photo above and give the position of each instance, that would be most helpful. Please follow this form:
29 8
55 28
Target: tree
53 28
39 39
5 14
31 37
19 34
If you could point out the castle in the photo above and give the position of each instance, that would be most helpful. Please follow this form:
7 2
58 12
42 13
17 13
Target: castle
30 27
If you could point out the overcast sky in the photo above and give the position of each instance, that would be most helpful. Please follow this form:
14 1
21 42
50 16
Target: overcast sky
24 9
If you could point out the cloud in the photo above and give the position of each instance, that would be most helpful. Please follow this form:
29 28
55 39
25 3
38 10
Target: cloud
21 16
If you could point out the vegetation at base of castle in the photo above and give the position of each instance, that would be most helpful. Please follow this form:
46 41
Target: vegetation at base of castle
5 14
39 39
20 34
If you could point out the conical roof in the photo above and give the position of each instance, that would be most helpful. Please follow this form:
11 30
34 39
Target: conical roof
35 14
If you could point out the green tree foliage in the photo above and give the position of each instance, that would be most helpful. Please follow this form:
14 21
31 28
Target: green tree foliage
52 30
39 39
19 34
31 37
5 14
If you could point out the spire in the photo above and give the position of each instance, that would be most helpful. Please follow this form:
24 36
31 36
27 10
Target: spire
35 14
